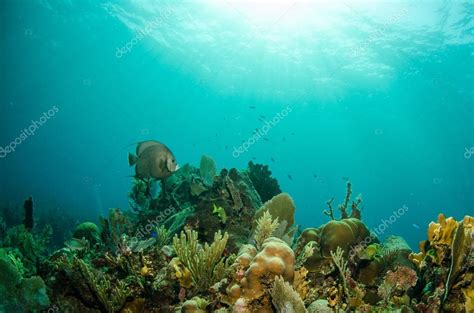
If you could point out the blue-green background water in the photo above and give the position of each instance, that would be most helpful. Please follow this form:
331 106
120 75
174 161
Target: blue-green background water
381 93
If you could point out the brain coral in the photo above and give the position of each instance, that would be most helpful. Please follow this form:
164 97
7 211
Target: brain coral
275 259
343 233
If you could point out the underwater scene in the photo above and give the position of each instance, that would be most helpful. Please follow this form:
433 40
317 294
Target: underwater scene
236 156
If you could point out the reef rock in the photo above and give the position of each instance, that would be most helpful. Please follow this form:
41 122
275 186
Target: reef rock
191 202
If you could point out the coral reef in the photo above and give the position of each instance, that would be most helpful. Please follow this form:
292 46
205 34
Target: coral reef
446 265
207 243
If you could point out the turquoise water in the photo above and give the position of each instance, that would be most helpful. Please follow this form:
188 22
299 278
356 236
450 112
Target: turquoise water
380 93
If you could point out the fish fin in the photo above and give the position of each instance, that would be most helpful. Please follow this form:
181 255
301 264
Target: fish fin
132 159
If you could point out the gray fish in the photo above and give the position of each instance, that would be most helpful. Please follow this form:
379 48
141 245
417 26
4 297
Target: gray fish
153 160
145 144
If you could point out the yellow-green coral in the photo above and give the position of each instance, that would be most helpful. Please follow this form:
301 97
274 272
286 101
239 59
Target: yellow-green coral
341 264
206 263
182 273
220 213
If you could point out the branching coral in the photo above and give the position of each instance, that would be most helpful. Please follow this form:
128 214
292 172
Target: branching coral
341 264
307 252
282 207
111 297
163 236
355 206
206 264
285 298
266 226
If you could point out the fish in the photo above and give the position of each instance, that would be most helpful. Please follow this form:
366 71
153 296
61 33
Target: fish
263 117
416 226
273 160
252 107
266 139
315 176
345 178
144 145
153 160
290 177
284 139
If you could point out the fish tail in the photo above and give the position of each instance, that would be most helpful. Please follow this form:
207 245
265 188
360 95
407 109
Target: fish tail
132 159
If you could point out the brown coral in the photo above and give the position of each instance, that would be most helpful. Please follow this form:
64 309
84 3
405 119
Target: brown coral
343 233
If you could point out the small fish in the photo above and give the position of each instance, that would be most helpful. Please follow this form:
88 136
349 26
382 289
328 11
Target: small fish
226 147
290 177
266 139
252 107
273 160
263 117
345 178
315 176
254 158
284 139
416 226
292 134
154 234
